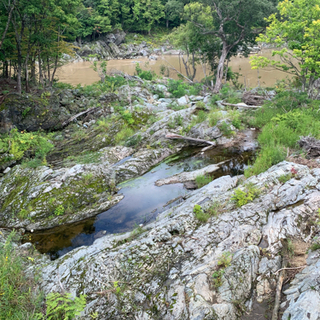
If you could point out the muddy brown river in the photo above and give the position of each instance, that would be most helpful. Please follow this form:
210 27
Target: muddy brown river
82 72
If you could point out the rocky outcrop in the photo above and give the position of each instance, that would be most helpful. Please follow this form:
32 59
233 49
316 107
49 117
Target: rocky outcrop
179 269
31 113
43 197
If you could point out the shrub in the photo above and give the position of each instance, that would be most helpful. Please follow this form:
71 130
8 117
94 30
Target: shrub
200 215
195 89
225 129
144 74
18 143
285 177
214 117
242 197
223 262
63 306
177 88
202 116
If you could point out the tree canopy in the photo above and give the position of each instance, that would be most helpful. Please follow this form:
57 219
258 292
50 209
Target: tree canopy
295 32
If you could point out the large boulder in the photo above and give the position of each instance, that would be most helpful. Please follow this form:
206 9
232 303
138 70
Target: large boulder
31 113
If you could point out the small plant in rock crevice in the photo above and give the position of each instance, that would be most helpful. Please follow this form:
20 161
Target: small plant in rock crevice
243 196
203 180
224 261
200 214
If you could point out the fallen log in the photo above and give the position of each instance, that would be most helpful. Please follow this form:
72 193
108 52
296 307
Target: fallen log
90 110
242 105
198 141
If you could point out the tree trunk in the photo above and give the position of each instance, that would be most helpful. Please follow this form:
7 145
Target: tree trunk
40 68
219 75
27 73
19 69
167 23
8 22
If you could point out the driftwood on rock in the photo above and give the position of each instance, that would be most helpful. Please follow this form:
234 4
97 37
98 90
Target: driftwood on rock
254 99
90 110
239 105
192 140
311 145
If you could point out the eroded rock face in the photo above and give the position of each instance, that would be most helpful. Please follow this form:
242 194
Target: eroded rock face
167 272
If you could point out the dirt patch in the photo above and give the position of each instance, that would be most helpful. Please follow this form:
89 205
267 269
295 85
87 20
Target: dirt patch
311 163
260 311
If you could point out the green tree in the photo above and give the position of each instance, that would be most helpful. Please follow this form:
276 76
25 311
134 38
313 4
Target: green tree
234 23
295 32
173 10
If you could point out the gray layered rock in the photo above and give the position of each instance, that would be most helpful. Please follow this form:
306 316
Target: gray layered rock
166 272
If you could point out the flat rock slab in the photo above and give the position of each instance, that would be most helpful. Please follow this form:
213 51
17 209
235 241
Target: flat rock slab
188 176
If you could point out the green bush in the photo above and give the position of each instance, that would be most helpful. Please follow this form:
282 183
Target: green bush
200 214
18 143
144 74
177 88
214 117
63 306
223 262
195 89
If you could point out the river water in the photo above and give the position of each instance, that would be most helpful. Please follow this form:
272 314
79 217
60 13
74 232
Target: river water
82 72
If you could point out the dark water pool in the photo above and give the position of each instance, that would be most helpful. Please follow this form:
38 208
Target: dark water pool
142 202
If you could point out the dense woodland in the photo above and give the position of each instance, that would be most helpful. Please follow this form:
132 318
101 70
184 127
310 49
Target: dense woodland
39 32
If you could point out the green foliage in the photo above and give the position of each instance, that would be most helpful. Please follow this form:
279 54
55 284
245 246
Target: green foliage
144 74
123 135
63 306
18 143
214 117
59 211
200 214
203 180
293 30
223 262
243 196
201 116
315 246
283 127
20 297
285 177
225 129
177 88
282 103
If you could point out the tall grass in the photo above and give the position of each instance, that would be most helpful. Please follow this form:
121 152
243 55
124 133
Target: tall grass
19 296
